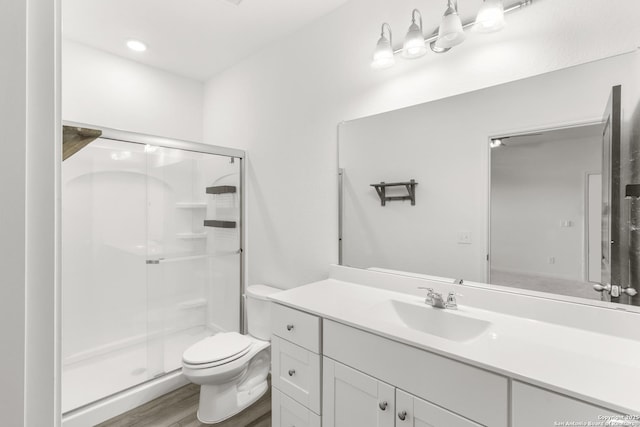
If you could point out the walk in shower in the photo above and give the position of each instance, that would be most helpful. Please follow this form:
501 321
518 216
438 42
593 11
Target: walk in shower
151 256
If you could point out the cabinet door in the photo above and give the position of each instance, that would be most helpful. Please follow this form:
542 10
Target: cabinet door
353 399
414 412
536 407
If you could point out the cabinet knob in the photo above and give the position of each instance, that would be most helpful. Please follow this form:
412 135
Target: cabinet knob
289 327
292 372
383 405
402 415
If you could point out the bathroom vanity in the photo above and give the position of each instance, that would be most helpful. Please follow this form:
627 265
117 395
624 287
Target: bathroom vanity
363 349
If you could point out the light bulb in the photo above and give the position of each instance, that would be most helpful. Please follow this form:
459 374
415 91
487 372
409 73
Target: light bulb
414 45
490 17
383 54
136 45
450 33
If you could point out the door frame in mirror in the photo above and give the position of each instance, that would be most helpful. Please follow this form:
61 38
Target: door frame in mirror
522 132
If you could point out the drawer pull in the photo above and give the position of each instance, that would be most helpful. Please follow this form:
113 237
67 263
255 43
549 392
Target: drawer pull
402 415
289 327
383 405
292 372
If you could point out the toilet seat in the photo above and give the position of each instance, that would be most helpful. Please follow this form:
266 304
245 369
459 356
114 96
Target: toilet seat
217 350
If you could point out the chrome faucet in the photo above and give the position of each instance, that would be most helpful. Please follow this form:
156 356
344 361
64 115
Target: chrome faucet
435 299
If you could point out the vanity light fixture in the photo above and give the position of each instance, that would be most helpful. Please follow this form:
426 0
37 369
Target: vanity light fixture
490 17
450 33
383 55
414 44
136 45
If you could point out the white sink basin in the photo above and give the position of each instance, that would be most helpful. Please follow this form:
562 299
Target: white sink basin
444 323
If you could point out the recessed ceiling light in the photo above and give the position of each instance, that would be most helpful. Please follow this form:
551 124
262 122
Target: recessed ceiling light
136 45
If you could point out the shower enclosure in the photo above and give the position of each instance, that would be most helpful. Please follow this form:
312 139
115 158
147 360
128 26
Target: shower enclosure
152 259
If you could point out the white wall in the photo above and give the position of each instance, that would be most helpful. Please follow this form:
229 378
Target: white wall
29 119
102 89
534 188
283 105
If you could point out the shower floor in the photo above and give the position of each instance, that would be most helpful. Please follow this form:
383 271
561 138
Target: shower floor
98 377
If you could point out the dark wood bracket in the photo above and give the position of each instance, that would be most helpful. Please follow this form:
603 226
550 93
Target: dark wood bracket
381 189
219 224
221 189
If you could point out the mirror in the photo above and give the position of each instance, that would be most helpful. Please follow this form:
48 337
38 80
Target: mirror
528 185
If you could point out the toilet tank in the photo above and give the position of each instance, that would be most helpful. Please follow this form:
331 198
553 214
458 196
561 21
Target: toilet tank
259 311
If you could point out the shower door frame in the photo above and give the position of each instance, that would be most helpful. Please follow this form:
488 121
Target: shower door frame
108 407
197 147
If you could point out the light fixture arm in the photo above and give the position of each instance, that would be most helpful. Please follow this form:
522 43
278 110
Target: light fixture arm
452 4
413 17
388 27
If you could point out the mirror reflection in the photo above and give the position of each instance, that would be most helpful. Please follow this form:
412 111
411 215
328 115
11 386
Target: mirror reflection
527 185
546 210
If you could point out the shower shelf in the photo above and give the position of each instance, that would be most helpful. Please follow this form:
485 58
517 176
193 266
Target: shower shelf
221 189
191 304
190 236
219 224
191 205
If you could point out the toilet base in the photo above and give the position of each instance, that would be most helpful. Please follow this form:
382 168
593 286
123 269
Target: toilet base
220 402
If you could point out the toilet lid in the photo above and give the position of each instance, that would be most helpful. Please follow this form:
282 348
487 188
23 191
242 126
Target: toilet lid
218 347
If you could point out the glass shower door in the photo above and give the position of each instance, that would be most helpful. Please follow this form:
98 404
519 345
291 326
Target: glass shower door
151 262
104 292
193 269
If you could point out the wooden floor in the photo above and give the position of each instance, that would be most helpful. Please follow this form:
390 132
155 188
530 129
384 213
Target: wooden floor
178 409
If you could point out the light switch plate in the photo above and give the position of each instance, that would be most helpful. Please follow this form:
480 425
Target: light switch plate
464 237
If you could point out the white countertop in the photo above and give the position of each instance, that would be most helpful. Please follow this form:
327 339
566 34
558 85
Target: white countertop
600 369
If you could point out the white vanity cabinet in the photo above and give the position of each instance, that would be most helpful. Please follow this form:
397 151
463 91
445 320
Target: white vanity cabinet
354 399
475 394
326 373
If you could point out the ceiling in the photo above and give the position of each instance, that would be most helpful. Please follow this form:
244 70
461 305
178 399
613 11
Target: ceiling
192 38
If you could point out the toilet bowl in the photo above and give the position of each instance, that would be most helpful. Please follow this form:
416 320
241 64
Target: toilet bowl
231 368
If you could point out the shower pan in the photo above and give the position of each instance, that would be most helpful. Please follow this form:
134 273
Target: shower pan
152 262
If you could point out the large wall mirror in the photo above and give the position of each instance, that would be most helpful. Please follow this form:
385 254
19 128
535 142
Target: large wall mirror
529 185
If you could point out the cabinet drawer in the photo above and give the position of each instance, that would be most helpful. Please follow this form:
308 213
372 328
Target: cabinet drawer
418 412
296 326
286 412
295 371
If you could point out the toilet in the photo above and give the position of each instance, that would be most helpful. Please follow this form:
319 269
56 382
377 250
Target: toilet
231 368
